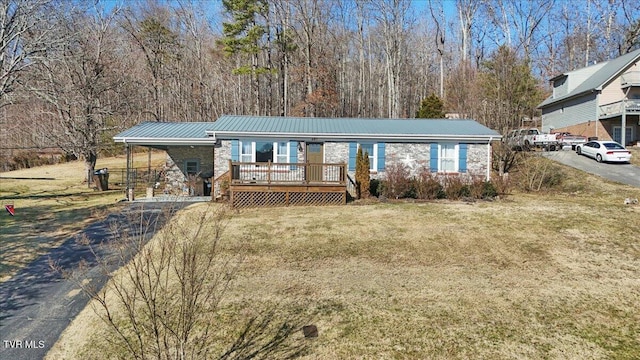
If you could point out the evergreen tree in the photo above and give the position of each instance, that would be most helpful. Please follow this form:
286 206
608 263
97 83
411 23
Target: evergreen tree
509 90
243 36
362 173
431 107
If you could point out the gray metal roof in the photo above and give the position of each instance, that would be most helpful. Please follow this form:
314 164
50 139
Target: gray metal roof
233 126
163 134
611 70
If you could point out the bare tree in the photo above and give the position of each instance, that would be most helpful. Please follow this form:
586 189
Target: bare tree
153 36
165 299
25 37
392 18
80 82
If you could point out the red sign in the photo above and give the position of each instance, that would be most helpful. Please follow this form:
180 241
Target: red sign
10 209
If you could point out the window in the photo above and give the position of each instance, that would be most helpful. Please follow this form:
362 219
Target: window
372 150
191 167
246 152
282 153
447 157
377 161
264 151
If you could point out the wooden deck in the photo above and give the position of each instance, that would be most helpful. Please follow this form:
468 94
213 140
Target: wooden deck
286 184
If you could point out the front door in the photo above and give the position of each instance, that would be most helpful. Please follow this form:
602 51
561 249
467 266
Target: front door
315 157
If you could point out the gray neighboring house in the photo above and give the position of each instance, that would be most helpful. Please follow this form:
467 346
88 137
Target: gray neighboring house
261 150
597 101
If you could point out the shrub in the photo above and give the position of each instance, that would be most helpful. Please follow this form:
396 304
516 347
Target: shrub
538 174
374 187
397 181
455 188
427 186
482 189
502 183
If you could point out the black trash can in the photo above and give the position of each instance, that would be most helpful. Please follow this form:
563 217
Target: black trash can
101 179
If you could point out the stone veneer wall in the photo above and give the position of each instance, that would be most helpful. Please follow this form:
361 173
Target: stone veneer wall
175 177
222 157
415 156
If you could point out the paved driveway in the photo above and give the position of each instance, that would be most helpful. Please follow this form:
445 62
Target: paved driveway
622 173
37 304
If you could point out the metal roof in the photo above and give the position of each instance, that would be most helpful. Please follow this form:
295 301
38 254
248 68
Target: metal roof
611 70
163 134
233 126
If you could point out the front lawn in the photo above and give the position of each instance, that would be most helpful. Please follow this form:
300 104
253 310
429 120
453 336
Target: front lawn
530 276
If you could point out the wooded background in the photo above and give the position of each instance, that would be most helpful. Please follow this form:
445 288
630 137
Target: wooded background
74 73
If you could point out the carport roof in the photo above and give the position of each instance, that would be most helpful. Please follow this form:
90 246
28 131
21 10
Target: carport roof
162 134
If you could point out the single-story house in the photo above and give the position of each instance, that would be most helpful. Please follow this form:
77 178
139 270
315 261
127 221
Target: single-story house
275 159
597 101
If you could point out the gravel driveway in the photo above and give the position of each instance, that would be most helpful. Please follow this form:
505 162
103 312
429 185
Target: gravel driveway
618 172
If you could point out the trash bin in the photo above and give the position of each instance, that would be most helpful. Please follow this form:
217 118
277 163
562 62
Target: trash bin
101 179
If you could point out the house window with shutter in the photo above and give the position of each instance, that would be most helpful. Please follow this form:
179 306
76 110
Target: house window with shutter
376 153
448 157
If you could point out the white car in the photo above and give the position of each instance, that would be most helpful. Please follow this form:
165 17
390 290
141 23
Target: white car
608 151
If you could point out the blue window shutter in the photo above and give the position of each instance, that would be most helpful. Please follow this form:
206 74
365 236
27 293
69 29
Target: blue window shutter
381 160
433 163
462 158
293 153
353 151
235 150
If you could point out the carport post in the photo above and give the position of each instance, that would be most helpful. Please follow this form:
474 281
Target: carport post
128 167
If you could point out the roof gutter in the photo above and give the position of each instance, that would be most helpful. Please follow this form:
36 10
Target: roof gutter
164 141
348 137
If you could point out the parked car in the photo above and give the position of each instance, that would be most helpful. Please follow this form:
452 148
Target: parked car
527 139
568 139
609 151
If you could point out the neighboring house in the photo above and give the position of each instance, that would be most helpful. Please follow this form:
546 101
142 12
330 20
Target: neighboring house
317 155
597 101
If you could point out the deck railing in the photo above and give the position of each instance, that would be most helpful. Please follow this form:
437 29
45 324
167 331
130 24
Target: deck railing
631 106
287 173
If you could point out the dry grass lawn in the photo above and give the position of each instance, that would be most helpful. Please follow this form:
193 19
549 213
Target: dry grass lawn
530 277
48 212
635 155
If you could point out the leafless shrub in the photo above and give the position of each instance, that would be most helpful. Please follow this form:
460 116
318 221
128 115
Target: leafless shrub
164 301
538 174
427 186
455 188
505 157
397 181
502 183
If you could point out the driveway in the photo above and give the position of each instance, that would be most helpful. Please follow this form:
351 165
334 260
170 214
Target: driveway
37 304
621 173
